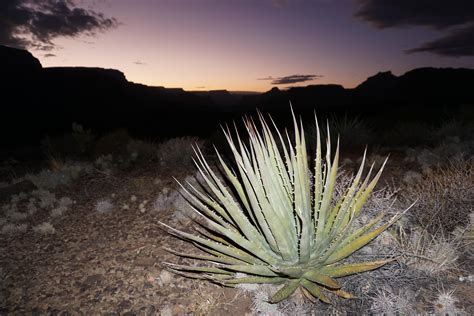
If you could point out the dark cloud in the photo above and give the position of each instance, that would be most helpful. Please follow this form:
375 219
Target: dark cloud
49 55
457 43
439 14
140 63
291 79
30 23
455 18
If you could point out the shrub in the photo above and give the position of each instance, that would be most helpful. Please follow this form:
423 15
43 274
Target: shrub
114 143
276 223
409 133
78 142
353 131
141 150
453 128
444 196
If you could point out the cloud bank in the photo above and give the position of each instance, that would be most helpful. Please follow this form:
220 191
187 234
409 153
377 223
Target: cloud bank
454 18
35 24
291 79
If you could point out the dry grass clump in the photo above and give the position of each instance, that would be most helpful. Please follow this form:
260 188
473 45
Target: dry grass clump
429 253
444 197
178 152
9 229
387 303
61 174
445 304
466 236
63 206
261 304
104 206
205 303
165 200
44 228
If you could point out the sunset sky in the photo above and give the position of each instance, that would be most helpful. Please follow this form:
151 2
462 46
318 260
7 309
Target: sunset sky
246 45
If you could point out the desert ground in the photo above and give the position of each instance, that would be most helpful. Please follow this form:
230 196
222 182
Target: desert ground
80 230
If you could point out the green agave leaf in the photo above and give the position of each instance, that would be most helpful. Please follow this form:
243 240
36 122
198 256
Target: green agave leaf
256 280
356 244
319 215
353 268
359 232
363 197
315 290
212 270
322 279
219 278
278 227
294 272
251 269
251 247
342 240
344 212
219 259
256 211
303 195
327 194
231 206
288 289
204 231
202 203
342 293
359 242
280 221
235 182
227 250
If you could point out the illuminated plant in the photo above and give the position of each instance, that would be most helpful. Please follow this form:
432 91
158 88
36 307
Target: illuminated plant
272 221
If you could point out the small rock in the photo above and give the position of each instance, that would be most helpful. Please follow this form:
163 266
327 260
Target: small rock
165 277
166 311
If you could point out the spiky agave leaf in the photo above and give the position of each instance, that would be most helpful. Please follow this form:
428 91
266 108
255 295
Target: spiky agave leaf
275 223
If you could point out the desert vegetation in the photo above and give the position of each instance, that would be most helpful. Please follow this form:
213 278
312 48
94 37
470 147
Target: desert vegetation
80 231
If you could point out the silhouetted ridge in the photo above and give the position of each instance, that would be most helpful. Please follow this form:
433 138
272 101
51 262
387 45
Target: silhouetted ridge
86 73
38 101
382 81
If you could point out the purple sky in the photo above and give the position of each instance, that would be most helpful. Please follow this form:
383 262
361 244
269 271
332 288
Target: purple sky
234 44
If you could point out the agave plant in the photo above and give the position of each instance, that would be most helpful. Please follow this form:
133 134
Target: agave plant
272 221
